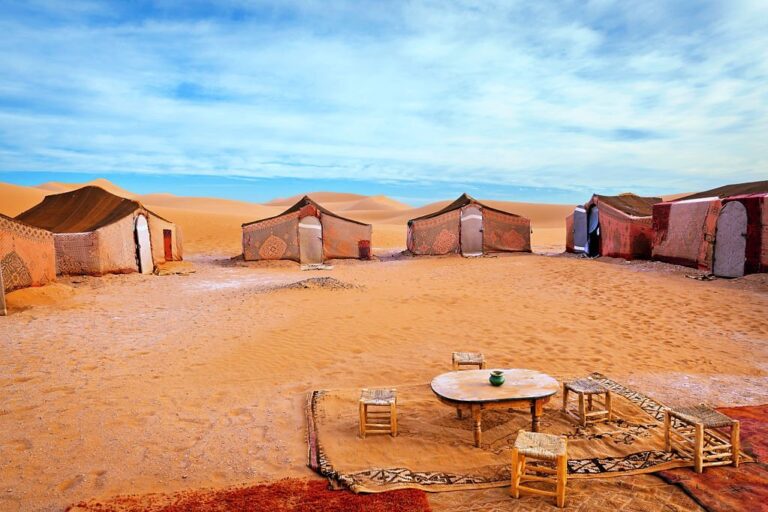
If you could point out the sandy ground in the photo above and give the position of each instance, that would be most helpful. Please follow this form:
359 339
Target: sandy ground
134 384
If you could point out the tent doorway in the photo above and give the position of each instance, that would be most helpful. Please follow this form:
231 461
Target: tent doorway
310 241
731 241
143 246
471 231
580 230
168 244
592 248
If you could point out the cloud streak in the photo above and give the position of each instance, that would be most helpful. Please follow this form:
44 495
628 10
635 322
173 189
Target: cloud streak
603 95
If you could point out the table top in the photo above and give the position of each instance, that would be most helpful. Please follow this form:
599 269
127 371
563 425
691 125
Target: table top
472 386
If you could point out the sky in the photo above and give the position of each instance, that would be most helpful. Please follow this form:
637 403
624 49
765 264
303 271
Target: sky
533 101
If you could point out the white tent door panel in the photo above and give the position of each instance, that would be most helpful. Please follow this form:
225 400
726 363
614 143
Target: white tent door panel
579 230
471 231
310 241
731 241
144 246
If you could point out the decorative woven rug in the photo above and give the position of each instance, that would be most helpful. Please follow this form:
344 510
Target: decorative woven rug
289 495
434 450
728 488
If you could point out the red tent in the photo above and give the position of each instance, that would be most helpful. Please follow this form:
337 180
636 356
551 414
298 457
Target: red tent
722 230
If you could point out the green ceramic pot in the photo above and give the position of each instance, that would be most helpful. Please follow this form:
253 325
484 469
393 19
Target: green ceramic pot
496 378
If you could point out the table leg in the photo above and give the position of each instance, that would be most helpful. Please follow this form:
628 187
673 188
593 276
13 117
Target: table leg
536 411
477 419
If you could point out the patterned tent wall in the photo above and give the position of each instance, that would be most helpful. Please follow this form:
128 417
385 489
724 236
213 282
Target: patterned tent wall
684 232
272 239
435 236
156 227
27 255
111 249
569 233
503 232
341 238
757 231
624 236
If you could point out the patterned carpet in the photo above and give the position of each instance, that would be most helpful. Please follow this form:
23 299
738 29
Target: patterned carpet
434 450
729 489
290 495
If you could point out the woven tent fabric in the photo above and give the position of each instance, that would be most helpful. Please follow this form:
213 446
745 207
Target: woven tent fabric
277 237
27 255
684 232
626 227
753 187
341 238
94 231
85 209
157 225
435 236
272 239
505 232
629 204
439 232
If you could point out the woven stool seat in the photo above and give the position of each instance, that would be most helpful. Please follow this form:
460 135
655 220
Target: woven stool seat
378 412
545 447
703 414
586 386
468 359
540 446
378 396
586 389
702 434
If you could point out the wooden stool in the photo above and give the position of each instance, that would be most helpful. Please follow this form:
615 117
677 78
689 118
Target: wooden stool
698 437
587 388
378 412
460 359
541 447
468 359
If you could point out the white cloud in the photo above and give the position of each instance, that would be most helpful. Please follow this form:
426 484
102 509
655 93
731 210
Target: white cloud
607 95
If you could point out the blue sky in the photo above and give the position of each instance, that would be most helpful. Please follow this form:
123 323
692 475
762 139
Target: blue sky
544 101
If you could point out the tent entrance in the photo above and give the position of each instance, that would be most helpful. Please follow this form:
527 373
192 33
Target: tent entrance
580 230
168 244
310 241
143 246
471 231
731 241
592 248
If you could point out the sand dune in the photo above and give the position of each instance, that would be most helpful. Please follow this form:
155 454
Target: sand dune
211 225
320 197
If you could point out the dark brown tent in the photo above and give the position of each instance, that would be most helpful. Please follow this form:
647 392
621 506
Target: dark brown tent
308 233
97 232
469 227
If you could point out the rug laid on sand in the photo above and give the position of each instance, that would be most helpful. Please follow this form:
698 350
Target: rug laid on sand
434 450
727 488
290 495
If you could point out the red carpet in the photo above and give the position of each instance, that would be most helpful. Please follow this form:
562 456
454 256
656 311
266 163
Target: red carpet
728 489
284 496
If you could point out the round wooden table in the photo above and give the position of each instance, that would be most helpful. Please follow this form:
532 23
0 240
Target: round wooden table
471 389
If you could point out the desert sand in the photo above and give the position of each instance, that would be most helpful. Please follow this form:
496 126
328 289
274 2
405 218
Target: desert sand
197 378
